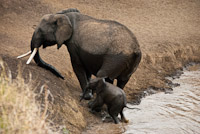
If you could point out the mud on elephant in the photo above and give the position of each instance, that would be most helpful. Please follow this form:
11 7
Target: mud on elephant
104 48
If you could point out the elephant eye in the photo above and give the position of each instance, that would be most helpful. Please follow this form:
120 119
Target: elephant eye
40 29
55 23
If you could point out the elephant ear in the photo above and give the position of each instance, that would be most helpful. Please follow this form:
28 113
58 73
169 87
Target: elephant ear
101 81
101 85
64 29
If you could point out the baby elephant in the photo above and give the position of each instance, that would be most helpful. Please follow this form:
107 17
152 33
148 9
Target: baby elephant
106 93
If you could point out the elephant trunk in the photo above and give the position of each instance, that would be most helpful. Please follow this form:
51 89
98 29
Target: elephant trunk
84 92
87 93
37 58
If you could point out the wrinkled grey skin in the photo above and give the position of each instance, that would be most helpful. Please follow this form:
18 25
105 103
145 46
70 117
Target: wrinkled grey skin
106 93
104 48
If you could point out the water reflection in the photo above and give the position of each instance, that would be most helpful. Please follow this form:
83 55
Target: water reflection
176 113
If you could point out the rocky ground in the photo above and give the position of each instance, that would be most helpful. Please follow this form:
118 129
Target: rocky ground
168 32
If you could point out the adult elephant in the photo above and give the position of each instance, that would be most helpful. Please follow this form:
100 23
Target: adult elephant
104 48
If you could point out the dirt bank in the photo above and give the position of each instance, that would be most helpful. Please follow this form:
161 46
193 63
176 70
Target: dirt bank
168 32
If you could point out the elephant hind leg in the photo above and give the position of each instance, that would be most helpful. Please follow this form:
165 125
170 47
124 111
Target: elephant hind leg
121 83
126 74
123 119
112 67
114 116
114 111
109 80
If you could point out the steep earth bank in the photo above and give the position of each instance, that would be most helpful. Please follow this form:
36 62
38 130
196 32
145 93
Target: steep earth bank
168 32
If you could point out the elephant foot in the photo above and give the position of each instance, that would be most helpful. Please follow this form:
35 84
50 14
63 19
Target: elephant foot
87 96
107 118
116 120
90 104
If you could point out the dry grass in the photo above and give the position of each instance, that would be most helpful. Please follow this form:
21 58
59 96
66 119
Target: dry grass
20 113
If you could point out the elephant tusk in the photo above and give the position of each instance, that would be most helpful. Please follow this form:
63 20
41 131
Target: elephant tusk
32 55
23 55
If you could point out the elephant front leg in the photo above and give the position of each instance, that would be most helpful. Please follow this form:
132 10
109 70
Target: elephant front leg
97 104
83 79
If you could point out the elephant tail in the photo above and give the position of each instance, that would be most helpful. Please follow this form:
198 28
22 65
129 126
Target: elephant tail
132 107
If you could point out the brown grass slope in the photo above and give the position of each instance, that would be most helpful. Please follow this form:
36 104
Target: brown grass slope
168 32
20 113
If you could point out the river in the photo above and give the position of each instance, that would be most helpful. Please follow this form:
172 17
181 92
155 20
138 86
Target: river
176 113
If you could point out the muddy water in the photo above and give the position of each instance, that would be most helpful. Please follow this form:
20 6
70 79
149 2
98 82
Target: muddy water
175 113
